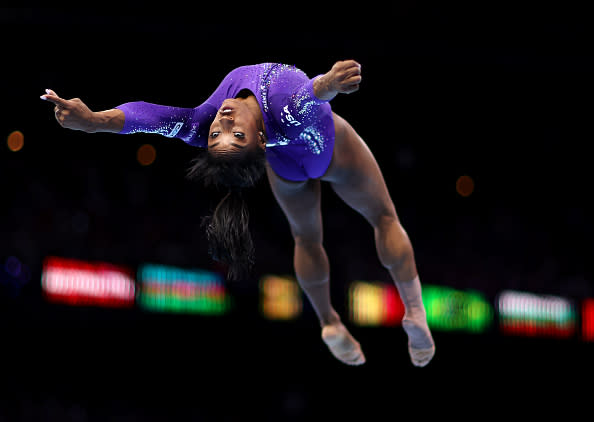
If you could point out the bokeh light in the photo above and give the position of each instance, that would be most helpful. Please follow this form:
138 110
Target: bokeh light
164 288
83 283
373 303
529 314
280 297
465 186
13 266
450 309
15 141
588 319
146 154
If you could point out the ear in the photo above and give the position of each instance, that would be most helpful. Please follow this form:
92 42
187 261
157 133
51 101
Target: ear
262 137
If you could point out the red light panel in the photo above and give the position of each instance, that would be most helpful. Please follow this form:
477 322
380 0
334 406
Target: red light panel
522 313
375 304
83 283
588 320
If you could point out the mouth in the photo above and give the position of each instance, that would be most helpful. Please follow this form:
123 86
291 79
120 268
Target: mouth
228 106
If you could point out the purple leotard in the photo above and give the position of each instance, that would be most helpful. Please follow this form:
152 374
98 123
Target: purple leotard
299 126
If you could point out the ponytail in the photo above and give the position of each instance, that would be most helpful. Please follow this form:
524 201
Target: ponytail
228 235
227 231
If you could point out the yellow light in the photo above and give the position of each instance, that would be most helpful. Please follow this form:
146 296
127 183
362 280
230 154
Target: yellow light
146 154
464 186
280 297
15 141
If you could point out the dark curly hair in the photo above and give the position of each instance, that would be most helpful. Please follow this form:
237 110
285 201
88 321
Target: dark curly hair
227 231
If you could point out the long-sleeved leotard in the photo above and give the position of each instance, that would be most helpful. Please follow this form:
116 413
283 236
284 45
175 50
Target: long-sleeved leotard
299 126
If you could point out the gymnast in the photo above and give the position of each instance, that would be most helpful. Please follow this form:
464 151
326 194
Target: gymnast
271 118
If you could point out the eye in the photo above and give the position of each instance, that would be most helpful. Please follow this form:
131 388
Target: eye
239 135
214 134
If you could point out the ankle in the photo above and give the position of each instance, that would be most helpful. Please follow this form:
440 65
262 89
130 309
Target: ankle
415 313
332 318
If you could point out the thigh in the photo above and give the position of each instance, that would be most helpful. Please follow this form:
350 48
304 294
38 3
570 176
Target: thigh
300 201
356 177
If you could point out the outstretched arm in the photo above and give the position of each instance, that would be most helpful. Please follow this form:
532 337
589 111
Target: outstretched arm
133 117
343 78
74 114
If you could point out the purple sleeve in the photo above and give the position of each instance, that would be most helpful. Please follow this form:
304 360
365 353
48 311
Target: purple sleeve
304 96
172 122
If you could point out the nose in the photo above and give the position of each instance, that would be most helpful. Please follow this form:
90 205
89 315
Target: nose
226 121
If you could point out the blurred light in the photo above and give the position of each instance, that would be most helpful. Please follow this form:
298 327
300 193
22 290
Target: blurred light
529 314
374 304
464 186
170 289
280 297
15 141
83 283
13 276
449 309
13 266
588 320
146 154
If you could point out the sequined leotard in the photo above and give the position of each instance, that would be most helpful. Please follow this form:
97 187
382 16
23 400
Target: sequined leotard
299 126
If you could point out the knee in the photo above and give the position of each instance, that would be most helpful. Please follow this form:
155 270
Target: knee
308 233
310 260
393 245
308 239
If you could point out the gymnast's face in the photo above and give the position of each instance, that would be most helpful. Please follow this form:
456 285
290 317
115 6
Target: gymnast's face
234 130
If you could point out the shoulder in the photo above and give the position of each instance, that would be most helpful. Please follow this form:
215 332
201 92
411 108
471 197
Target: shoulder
288 76
247 71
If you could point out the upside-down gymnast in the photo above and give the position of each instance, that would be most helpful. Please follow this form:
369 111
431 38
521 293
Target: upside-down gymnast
271 118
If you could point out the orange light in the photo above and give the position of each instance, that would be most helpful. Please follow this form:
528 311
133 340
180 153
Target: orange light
146 154
15 141
464 186
280 298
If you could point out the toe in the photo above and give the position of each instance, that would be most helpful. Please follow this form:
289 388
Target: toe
342 345
421 357
354 357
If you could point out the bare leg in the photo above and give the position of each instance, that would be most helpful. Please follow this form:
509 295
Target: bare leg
396 254
357 179
301 205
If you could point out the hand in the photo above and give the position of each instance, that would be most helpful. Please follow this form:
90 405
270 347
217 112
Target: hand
71 114
343 78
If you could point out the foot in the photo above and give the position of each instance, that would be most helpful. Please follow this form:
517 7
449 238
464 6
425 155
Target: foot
342 345
420 343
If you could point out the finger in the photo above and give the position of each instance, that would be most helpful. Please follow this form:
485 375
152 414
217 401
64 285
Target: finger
353 80
351 88
60 119
52 92
54 99
353 71
352 64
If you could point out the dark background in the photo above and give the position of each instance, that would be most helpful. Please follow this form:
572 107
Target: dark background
501 93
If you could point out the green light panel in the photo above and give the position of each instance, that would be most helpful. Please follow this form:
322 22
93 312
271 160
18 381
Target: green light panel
454 310
170 289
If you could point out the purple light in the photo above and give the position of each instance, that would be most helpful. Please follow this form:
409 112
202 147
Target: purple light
13 266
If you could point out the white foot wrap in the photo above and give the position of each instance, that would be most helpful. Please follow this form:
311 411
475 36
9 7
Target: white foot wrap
342 345
420 342
418 335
